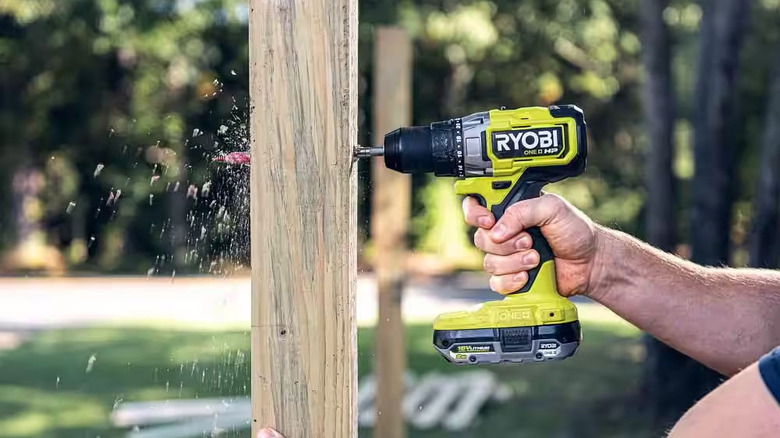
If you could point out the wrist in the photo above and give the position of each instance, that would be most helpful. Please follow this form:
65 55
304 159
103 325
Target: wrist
604 269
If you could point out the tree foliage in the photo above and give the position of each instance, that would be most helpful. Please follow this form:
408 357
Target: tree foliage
117 103
151 89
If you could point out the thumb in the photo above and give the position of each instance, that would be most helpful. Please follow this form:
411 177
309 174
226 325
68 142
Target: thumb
525 214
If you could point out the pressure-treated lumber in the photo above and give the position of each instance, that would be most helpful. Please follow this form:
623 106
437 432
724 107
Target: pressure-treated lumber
303 88
389 225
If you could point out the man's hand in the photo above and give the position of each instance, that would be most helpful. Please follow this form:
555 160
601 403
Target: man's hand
571 235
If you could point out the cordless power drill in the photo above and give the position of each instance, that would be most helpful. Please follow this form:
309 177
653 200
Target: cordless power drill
501 157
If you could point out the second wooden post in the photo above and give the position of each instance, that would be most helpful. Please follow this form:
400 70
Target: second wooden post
389 225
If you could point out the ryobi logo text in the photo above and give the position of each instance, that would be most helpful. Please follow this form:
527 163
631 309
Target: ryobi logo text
522 143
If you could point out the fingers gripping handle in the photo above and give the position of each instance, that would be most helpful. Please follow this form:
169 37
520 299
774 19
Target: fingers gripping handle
527 190
545 255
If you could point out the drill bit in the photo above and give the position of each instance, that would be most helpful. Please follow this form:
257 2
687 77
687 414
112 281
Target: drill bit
243 157
367 152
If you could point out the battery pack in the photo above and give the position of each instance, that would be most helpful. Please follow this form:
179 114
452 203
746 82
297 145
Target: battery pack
512 344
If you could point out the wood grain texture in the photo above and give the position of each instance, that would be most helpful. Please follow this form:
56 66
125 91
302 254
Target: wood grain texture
389 224
303 77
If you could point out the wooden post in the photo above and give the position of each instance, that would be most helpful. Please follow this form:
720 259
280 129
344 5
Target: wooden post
389 225
303 87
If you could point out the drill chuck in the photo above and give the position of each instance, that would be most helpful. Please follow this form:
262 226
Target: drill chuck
422 149
408 150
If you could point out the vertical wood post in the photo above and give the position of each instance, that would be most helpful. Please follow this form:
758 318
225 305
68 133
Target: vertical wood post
389 225
303 88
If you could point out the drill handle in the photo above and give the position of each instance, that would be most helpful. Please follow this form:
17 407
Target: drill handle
521 191
545 255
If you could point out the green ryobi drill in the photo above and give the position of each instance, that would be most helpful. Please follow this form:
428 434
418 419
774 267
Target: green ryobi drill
501 157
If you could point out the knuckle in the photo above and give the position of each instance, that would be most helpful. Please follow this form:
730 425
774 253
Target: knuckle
553 203
515 261
487 263
528 258
500 283
523 239
518 211
506 263
512 284
552 198
479 239
494 283
507 248
514 209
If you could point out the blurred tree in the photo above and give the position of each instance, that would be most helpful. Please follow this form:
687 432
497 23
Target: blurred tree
659 107
112 101
722 32
765 234
659 383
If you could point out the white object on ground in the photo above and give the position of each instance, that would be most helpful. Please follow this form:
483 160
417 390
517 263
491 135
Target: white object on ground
415 400
367 411
478 389
144 413
202 426
451 401
437 406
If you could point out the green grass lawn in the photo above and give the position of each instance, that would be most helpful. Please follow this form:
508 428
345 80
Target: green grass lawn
46 389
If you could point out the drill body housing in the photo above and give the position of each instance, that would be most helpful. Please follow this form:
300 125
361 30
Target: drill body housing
502 157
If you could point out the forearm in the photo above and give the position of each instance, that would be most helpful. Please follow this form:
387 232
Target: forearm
724 318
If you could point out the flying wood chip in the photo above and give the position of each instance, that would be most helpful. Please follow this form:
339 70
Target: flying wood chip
233 158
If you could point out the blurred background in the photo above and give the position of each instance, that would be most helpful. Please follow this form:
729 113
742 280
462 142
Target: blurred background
124 249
